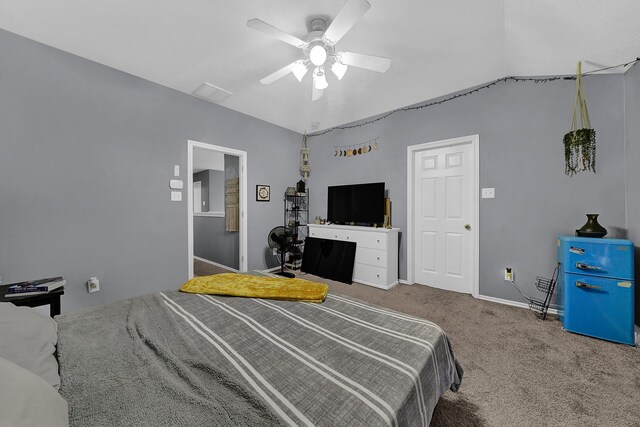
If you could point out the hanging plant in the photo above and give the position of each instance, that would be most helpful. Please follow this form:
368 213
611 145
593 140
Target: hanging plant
580 144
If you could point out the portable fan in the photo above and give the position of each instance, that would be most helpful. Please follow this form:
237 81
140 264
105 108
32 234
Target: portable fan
281 240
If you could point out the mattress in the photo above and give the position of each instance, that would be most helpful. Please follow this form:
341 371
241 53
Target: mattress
180 359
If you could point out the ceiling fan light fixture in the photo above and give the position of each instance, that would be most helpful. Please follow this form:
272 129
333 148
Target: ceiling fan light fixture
318 55
299 69
339 69
319 80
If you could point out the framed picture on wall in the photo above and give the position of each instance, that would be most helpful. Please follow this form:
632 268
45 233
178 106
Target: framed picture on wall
263 193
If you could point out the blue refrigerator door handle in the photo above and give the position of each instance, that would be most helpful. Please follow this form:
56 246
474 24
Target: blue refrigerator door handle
583 266
580 284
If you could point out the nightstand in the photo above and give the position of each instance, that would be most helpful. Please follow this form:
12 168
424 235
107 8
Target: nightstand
52 298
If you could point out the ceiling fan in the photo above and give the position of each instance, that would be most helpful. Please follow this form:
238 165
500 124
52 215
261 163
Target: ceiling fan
319 48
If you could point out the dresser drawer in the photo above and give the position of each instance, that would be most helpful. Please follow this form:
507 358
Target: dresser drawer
369 239
371 256
370 273
325 233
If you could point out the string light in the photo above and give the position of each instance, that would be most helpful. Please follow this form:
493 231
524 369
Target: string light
469 92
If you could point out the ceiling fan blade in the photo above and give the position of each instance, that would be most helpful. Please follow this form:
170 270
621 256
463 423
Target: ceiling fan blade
278 74
351 11
272 31
369 62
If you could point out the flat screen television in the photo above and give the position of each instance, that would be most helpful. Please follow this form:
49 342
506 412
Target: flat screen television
361 204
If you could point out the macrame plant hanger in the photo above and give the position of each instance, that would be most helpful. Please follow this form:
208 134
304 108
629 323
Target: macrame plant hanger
580 144
305 167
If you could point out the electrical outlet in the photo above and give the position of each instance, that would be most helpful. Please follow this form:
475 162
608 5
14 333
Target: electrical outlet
508 274
93 284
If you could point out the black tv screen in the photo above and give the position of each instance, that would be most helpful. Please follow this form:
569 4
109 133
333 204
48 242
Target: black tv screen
356 203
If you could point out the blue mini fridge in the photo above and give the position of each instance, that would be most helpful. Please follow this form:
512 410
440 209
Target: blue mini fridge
595 287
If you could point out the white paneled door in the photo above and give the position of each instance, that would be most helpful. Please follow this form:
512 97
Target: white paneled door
443 217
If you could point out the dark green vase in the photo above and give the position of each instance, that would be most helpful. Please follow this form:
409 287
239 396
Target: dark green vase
592 228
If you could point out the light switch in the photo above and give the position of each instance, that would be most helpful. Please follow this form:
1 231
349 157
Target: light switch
176 196
176 184
488 193
176 170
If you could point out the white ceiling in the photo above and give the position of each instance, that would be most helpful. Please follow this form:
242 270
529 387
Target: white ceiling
436 46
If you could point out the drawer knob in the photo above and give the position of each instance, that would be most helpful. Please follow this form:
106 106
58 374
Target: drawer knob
378 275
378 258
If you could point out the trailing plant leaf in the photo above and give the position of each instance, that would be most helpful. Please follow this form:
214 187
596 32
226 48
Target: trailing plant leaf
580 151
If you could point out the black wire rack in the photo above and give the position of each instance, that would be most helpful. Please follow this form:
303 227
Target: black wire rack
541 306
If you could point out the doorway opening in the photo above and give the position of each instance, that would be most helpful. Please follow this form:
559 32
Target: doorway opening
216 209
443 214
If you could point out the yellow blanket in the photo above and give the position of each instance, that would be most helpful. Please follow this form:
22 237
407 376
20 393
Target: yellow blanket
245 285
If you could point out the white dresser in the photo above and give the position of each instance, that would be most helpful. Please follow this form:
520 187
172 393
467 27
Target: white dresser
376 262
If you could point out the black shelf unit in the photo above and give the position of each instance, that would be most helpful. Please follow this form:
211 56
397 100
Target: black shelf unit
296 218
547 286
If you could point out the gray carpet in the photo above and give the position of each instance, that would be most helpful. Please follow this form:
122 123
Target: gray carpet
519 370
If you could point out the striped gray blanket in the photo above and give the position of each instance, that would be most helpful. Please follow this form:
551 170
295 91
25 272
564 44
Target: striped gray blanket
180 359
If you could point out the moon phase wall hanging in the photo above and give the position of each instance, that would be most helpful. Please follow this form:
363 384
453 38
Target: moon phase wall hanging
357 149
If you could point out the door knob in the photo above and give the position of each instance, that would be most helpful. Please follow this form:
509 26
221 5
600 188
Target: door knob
467 227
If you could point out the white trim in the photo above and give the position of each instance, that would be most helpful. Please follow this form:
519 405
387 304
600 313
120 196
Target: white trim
474 140
376 285
216 264
213 214
637 334
243 200
269 270
405 282
512 303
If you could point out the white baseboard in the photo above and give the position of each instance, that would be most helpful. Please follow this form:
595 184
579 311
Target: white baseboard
512 303
216 264
271 270
404 282
637 334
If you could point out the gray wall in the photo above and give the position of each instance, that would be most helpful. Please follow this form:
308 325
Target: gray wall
212 242
216 191
632 138
231 167
521 126
86 155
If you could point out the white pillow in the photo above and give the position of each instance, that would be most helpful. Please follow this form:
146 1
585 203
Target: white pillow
26 400
28 339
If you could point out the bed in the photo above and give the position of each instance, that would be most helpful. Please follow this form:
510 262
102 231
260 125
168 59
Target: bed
183 359
178 359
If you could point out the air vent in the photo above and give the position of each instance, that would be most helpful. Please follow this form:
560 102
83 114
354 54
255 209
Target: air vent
211 93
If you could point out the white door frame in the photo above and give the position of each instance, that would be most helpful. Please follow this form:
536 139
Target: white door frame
243 199
474 140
